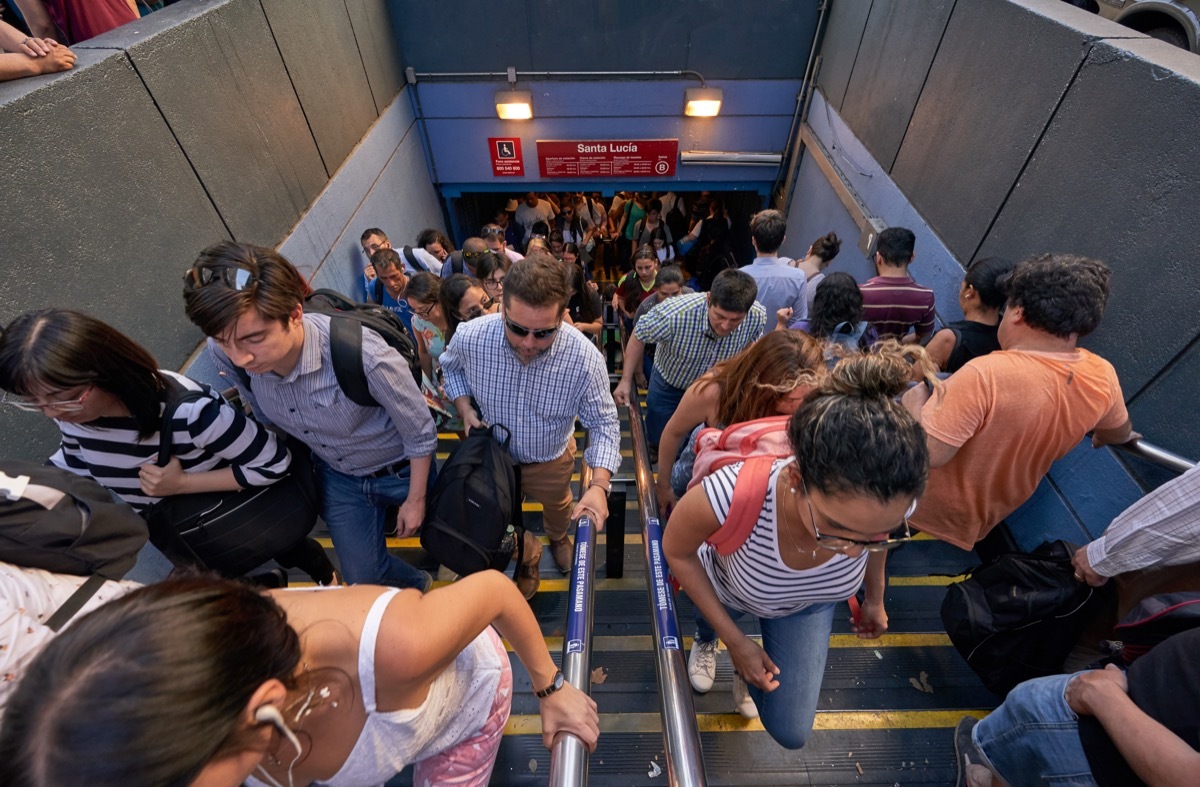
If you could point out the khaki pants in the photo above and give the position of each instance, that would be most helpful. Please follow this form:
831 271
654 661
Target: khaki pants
549 483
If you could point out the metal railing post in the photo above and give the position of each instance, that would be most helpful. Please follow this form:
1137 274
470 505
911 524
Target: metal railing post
569 757
685 760
1159 456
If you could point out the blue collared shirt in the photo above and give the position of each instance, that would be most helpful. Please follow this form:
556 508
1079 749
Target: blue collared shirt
537 401
309 404
779 286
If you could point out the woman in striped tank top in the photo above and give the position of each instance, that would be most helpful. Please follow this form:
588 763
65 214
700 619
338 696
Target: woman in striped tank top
830 514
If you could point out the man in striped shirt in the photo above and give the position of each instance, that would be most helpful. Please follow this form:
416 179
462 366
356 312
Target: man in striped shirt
249 301
533 375
692 332
892 302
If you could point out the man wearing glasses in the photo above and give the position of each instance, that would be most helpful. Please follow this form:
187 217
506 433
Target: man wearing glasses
466 260
496 238
249 301
534 375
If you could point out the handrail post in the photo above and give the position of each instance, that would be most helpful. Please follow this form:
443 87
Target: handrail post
569 757
685 760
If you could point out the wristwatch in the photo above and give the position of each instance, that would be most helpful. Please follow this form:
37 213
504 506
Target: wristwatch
554 686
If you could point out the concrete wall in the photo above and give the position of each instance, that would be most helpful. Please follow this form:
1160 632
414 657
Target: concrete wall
1025 126
723 39
209 120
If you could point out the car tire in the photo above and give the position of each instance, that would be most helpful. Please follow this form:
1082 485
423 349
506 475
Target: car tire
1169 34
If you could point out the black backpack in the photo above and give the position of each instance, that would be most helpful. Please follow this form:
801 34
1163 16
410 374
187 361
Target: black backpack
232 532
1019 616
1153 620
58 521
457 263
475 499
347 321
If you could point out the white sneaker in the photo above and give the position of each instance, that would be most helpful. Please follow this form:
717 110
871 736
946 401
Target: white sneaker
702 665
742 701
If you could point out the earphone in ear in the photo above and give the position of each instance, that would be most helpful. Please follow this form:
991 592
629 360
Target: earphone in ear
269 714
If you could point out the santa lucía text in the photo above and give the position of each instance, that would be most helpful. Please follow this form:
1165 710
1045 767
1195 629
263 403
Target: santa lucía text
607 147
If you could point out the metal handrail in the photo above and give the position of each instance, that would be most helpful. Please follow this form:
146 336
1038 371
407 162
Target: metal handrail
569 757
685 761
1159 456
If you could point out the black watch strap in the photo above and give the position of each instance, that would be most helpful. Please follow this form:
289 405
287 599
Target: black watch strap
555 685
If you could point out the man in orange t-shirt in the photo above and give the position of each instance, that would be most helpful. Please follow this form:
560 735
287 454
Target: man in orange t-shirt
1004 418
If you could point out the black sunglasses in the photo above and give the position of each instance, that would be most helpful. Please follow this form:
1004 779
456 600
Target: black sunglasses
230 276
522 331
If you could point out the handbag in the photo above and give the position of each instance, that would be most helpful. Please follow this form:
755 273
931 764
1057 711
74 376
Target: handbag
232 532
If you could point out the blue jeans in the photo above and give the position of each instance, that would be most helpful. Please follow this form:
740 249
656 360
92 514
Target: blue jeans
354 508
798 644
1033 737
661 400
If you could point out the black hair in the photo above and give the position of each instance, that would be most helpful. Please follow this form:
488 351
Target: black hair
62 349
733 291
1060 294
837 300
768 228
896 245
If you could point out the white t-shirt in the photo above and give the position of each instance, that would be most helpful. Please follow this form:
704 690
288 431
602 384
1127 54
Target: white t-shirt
527 216
754 578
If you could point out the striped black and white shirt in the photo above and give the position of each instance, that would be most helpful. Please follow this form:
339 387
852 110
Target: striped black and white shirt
208 434
754 578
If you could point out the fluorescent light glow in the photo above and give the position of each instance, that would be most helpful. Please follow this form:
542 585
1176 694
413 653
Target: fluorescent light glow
514 104
703 102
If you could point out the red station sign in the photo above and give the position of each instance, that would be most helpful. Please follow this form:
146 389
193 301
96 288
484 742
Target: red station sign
607 158
506 156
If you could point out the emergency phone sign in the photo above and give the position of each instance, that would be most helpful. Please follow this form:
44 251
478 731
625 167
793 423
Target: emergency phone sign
506 156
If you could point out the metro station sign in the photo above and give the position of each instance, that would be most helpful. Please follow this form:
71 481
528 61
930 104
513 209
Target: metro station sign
607 158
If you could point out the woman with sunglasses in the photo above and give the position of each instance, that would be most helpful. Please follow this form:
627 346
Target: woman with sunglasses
431 327
830 513
464 298
106 394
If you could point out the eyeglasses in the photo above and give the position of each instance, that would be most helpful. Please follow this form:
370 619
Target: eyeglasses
424 313
522 331
840 544
493 285
492 232
470 255
66 406
234 278
479 310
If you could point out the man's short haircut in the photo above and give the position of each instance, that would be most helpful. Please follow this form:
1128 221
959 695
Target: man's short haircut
474 246
372 231
768 228
387 259
492 229
733 291
896 245
669 274
539 280
1060 294
654 204
274 289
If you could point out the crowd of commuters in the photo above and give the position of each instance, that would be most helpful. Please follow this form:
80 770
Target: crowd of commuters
506 331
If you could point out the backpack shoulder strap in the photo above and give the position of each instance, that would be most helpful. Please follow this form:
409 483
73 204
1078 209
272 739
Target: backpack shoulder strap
412 259
346 350
75 602
378 290
177 395
749 493
457 263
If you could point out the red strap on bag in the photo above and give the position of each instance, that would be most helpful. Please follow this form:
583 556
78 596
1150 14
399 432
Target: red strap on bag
749 493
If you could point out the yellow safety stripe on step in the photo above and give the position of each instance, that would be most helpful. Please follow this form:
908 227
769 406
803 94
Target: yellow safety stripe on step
631 539
732 722
454 435
638 642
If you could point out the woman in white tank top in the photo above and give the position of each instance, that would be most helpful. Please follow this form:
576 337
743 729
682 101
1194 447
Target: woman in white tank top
207 682
828 516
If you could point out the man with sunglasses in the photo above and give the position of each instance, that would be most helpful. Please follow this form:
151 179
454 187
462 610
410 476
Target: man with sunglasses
249 301
496 238
534 375
464 261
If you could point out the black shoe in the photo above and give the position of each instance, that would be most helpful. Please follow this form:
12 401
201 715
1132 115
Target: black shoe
965 751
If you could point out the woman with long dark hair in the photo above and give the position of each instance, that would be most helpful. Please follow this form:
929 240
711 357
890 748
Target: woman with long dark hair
202 681
107 396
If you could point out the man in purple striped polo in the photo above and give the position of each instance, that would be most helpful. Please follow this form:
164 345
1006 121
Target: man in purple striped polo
892 302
